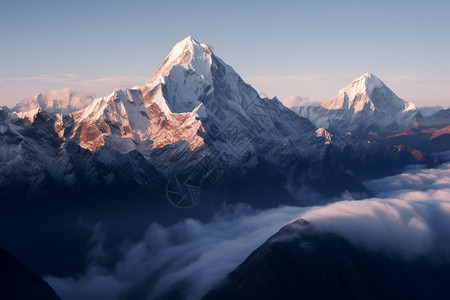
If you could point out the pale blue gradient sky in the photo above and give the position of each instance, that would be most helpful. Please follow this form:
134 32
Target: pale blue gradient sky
305 48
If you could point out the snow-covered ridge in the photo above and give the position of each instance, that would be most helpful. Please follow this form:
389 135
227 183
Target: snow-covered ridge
28 114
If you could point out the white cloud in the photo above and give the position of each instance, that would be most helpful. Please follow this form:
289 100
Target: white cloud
391 225
410 216
15 89
57 101
296 100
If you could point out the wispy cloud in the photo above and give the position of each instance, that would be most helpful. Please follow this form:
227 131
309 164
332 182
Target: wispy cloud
296 100
327 78
299 78
428 83
75 80
410 78
305 78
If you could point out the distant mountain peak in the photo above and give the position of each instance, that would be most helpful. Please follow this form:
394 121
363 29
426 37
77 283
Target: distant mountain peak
366 104
368 92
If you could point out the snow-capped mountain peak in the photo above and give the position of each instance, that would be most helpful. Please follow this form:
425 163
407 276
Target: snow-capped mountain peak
189 55
368 92
365 84
366 104
183 78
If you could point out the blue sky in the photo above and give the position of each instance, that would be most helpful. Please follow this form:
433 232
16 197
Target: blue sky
306 48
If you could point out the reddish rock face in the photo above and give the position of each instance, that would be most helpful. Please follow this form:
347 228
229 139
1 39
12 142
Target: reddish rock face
163 127
438 132
168 129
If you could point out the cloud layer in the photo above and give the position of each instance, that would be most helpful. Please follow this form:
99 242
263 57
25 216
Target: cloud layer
295 100
56 101
14 89
190 252
410 216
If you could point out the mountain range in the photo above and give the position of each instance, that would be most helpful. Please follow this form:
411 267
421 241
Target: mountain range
196 110
368 109
195 135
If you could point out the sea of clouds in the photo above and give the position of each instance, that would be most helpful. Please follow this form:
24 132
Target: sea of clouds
409 217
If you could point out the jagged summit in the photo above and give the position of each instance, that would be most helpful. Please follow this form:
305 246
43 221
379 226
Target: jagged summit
188 54
183 77
366 83
188 43
368 92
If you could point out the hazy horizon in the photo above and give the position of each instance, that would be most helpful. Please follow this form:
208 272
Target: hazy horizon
301 49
